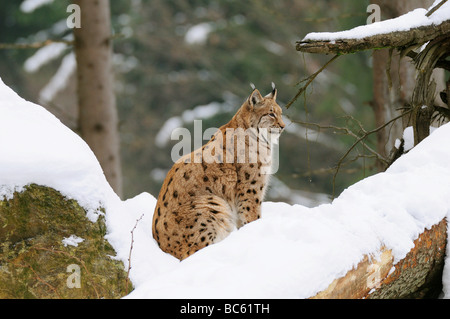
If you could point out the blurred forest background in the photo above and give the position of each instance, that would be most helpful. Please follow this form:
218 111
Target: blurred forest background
178 60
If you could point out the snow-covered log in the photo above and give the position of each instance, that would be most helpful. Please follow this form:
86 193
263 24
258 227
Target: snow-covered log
407 31
418 275
397 39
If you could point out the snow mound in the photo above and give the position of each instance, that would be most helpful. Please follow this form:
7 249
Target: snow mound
296 252
291 252
37 148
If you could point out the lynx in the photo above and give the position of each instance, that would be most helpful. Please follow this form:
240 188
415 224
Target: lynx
219 187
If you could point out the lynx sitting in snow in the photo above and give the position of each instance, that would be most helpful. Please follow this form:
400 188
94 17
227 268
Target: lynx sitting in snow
220 186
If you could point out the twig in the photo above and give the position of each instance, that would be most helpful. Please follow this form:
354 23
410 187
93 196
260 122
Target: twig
35 45
129 256
361 139
435 8
327 171
309 81
347 131
443 111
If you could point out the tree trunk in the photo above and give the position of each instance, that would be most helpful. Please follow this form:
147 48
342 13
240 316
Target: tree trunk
423 98
98 119
393 79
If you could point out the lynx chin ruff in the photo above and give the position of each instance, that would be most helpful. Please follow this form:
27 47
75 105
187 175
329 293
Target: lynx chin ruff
219 187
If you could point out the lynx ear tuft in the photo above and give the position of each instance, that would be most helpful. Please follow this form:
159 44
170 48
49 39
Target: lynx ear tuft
252 86
273 94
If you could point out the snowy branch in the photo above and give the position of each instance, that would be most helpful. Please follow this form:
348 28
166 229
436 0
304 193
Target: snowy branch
399 39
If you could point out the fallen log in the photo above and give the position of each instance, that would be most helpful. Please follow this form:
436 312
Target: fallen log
418 275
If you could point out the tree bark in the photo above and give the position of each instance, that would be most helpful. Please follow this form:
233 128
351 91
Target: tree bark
98 119
393 79
423 97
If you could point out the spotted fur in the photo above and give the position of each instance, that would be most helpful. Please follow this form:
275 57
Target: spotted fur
218 188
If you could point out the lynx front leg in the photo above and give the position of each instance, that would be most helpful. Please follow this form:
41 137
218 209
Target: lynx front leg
249 204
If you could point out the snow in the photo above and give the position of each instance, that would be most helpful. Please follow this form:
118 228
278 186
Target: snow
412 19
28 6
73 240
60 79
198 34
37 148
291 252
43 56
408 137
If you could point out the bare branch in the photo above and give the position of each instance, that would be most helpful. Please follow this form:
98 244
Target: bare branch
309 80
435 8
131 249
361 139
35 45
347 131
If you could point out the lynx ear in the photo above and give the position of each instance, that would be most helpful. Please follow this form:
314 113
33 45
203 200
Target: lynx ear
255 98
273 94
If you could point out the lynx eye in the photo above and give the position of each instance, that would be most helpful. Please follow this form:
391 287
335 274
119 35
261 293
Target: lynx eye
272 115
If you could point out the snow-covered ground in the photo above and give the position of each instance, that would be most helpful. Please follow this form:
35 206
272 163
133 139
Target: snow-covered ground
291 252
